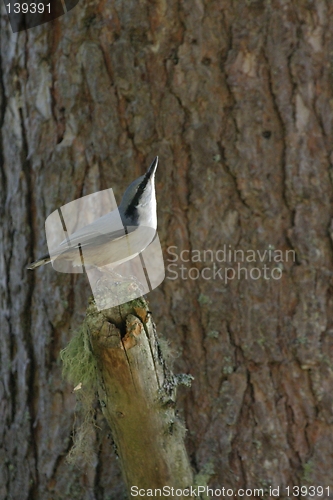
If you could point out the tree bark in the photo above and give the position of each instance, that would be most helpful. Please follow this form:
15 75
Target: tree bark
236 99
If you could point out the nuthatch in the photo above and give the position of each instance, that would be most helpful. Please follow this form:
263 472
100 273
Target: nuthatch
103 242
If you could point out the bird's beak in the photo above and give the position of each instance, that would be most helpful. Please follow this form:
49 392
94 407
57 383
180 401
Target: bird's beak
152 169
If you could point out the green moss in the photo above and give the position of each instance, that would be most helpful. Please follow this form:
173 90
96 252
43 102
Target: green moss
213 334
204 300
79 363
79 367
184 379
307 471
203 477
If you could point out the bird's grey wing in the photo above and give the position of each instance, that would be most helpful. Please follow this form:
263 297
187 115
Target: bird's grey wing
106 228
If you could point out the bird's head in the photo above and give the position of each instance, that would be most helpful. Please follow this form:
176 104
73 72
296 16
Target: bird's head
138 205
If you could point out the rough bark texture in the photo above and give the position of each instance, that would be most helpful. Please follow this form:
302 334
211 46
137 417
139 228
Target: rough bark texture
236 99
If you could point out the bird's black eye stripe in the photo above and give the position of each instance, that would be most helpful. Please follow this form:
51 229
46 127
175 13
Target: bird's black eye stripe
132 206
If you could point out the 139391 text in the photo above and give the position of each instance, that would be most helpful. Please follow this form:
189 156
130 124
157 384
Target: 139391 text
32 8
307 491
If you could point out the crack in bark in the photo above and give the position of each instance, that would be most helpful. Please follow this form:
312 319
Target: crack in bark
26 320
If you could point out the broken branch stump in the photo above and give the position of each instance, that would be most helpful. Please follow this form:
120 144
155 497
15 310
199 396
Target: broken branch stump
137 392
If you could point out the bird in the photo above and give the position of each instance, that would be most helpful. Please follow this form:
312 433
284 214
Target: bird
104 242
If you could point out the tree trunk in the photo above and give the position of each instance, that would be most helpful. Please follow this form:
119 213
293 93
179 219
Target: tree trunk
236 99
